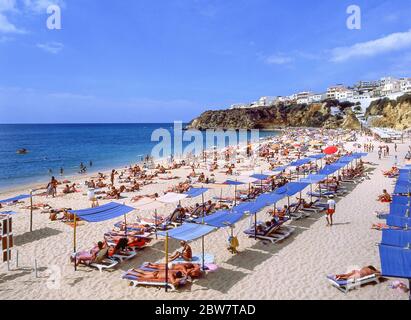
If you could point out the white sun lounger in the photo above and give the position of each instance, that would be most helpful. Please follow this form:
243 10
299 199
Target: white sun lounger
346 285
125 257
134 282
106 264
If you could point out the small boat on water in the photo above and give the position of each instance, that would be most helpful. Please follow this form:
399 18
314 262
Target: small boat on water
22 151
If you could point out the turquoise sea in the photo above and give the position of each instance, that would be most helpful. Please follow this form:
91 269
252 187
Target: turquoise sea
55 146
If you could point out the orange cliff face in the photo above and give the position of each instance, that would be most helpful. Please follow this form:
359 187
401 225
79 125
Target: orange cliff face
394 114
313 115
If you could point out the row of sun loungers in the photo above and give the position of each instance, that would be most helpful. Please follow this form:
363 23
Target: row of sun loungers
274 233
134 280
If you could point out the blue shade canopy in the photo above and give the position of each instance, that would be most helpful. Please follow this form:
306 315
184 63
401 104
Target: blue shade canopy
318 156
301 162
400 210
17 198
395 261
396 238
358 155
271 198
233 183
402 187
221 219
346 159
195 192
102 213
401 200
260 176
331 168
292 188
400 222
189 231
404 176
8 213
252 207
279 169
313 178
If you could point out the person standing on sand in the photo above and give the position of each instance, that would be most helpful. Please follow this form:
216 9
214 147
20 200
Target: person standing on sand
112 176
379 154
330 211
52 187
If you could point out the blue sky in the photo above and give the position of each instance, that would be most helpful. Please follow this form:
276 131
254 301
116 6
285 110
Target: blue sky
165 60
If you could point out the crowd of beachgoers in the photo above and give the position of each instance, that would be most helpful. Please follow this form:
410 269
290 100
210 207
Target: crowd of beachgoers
292 215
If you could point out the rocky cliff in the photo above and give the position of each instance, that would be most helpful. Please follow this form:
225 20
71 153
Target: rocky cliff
394 114
313 115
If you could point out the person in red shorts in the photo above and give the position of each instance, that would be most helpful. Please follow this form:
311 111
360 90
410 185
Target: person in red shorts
330 211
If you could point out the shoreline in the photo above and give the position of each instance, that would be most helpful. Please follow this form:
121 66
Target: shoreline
26 187
75 178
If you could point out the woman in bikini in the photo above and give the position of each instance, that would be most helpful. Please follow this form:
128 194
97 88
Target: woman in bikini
186 253
188 269
358 274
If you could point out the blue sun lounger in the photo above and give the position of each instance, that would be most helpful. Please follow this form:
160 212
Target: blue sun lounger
197 258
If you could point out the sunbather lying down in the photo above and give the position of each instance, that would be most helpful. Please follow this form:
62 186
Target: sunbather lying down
174 277
188 269
382 226
392 172
358 274
132 242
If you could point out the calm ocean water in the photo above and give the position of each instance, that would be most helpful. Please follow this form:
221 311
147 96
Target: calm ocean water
52 146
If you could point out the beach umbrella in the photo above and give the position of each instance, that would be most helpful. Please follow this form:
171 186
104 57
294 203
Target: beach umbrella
235 184
150 204
98 214
22 197
330 150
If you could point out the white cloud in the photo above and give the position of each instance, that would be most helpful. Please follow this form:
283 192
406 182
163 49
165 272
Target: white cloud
40 6
8 6
278 59
7 27
392 42
51 47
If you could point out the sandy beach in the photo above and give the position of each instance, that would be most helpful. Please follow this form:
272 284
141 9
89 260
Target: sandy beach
293 269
